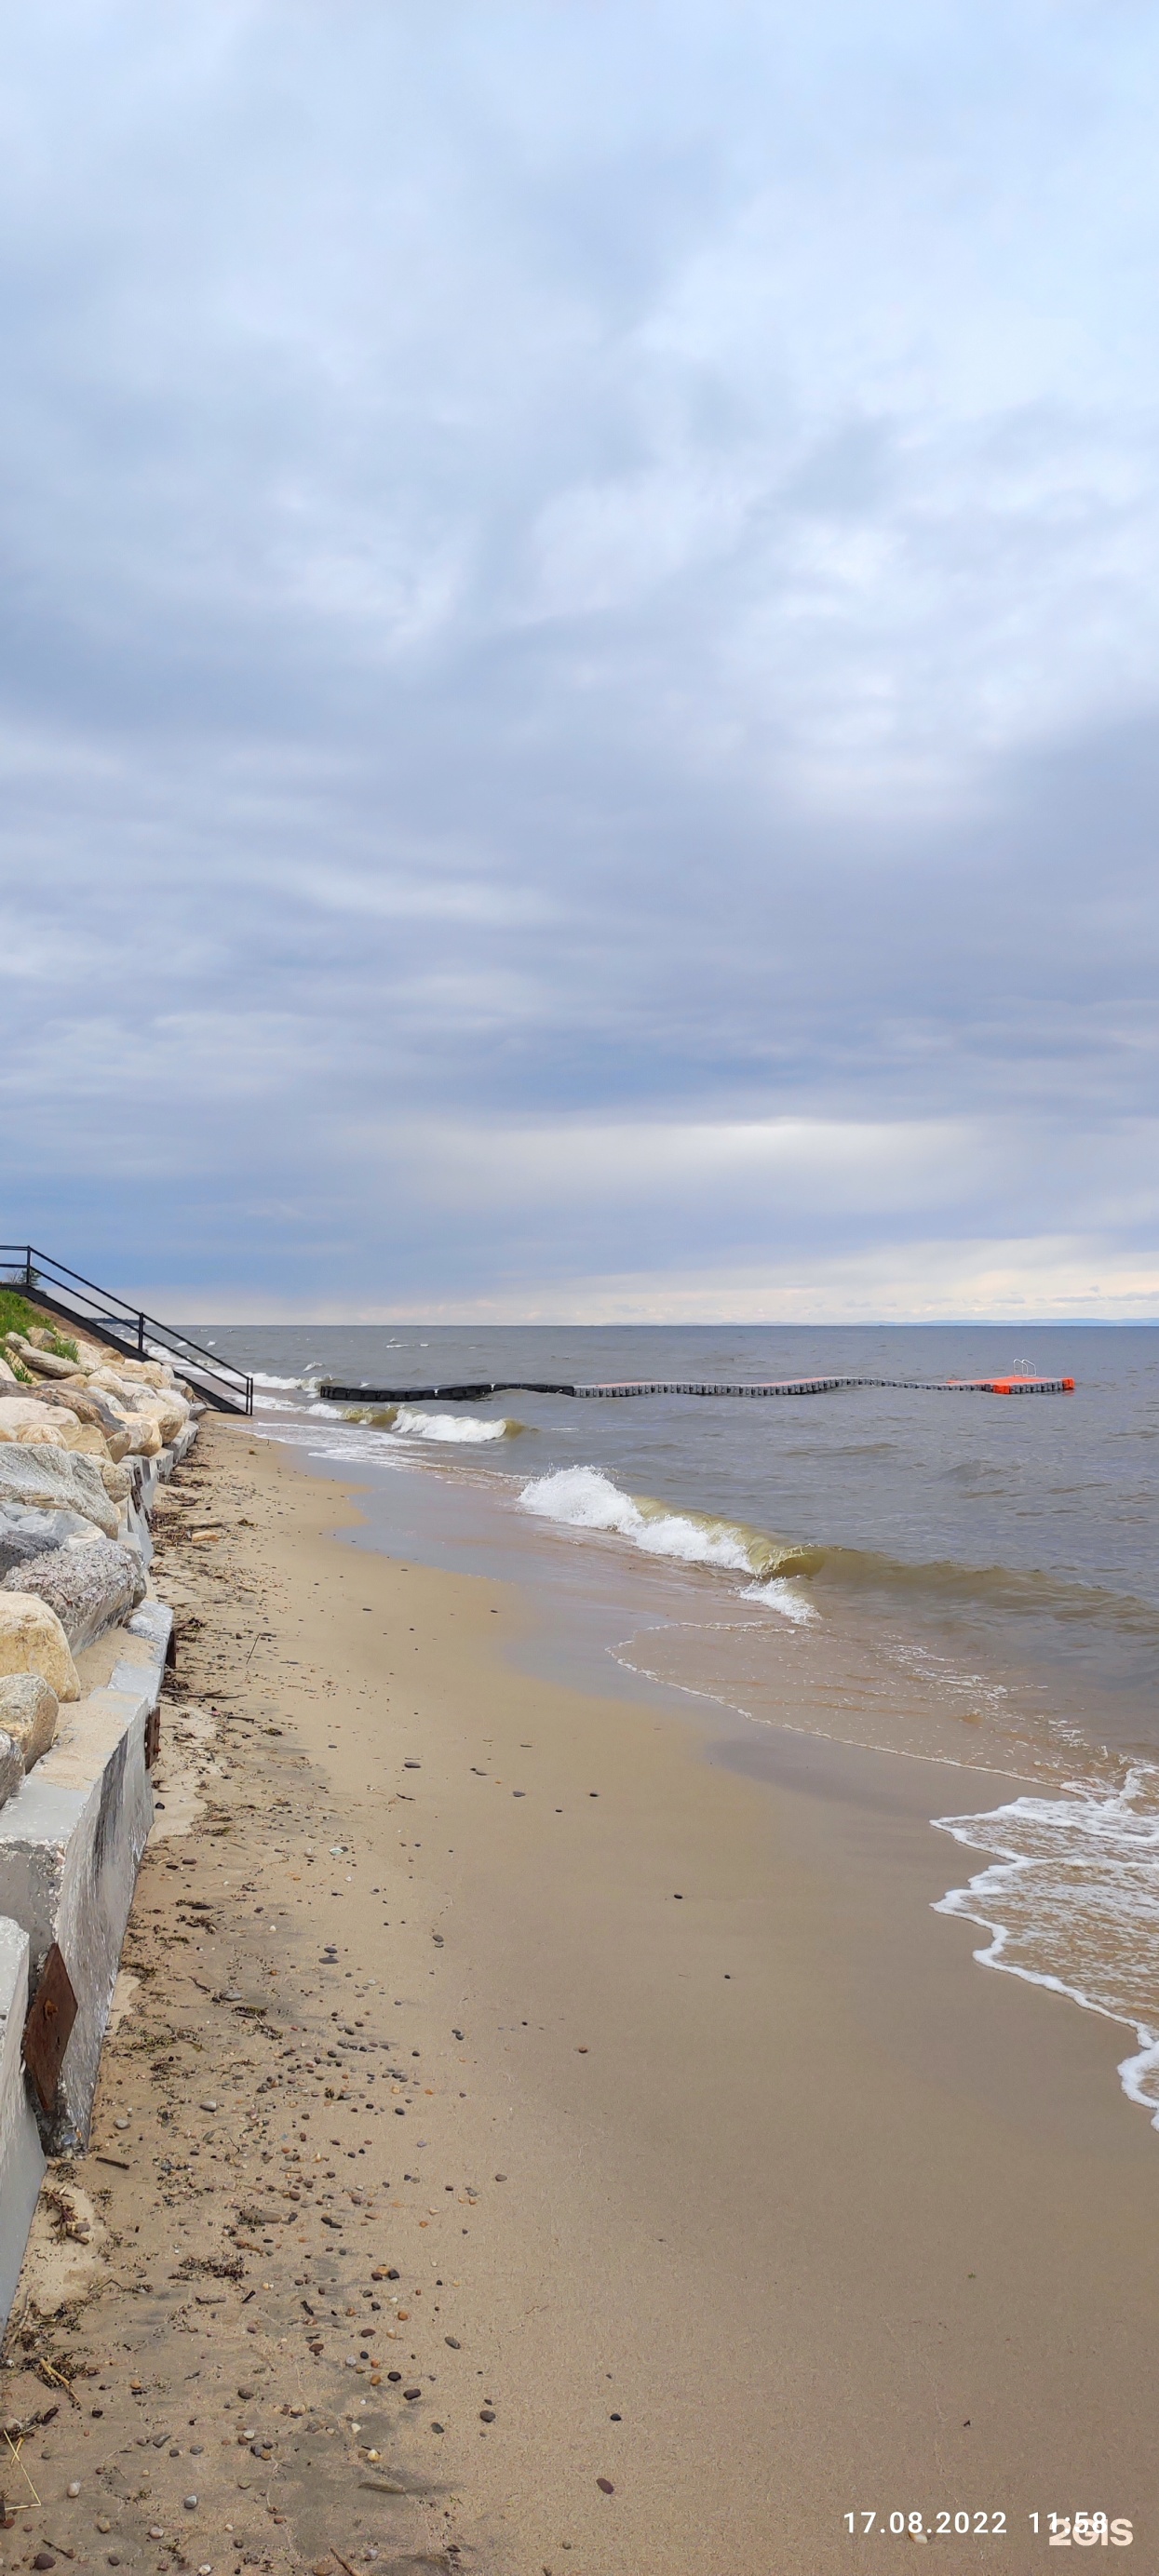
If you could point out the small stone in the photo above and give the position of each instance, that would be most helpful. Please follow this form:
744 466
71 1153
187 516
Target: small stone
103 2524
190 2503
209 2106
411 2393
486 2414
155 2531
114 2558
605 2486
73 2488
394 2376
120 2122
500 2177
453 2343
438 2428
44 2558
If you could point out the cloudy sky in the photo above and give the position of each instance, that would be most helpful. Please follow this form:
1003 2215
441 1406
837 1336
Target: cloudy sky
579 655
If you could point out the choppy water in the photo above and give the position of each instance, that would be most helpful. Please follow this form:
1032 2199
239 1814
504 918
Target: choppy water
963 1579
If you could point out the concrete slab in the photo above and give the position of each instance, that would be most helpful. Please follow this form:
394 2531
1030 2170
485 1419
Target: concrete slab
71 1837
70 1845
22 2158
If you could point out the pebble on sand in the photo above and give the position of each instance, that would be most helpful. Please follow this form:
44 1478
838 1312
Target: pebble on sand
605 2486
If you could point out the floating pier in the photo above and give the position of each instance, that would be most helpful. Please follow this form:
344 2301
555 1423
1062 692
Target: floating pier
482 1387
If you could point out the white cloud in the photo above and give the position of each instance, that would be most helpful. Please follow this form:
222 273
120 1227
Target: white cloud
579 641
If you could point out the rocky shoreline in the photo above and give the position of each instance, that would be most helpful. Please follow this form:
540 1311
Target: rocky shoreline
87 1438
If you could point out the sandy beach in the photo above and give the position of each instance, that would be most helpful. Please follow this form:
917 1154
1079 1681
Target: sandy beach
597 2070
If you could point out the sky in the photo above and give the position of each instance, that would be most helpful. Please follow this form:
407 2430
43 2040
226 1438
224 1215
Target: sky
579 656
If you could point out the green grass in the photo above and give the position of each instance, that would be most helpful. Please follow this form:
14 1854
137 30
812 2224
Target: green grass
17 1316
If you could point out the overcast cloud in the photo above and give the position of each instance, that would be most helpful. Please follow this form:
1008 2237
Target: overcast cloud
579 655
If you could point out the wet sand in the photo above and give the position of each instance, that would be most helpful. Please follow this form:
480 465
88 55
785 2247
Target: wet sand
728 2196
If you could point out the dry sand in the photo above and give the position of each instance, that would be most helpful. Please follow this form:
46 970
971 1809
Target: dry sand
644 2123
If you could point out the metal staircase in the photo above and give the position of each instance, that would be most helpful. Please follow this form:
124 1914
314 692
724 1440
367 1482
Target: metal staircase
104 1317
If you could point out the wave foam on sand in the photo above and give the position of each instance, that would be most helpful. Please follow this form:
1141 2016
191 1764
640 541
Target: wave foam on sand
1071 1902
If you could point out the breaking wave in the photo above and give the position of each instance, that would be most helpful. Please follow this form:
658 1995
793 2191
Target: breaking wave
460 1430
582 1498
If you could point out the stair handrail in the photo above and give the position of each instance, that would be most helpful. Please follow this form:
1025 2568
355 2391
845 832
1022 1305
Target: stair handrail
229 1388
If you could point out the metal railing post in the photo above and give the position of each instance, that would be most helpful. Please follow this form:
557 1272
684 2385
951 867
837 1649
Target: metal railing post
141 1333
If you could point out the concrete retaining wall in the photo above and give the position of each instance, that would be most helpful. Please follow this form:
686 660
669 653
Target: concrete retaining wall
71 1839
22 2158
70 1847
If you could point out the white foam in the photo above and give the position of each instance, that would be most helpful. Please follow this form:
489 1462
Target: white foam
583 1498
784 1596
460 1429
1071 1902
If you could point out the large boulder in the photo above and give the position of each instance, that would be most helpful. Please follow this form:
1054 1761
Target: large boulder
169 1410
154 1373
26 1532
45 1363
90 1355
90 1584
163 1405
28 1713
34 1435
33 1641
56 1480
141 1435
90 1423
86 1441
25 1412
79 1400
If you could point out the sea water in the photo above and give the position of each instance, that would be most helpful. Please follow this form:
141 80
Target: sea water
968 1581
